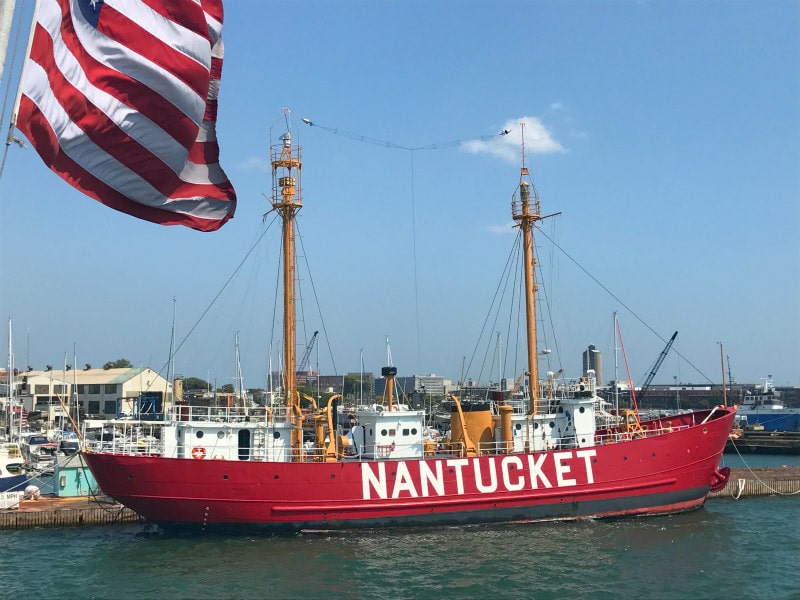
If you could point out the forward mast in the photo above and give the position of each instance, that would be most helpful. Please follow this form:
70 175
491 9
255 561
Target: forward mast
287 201
526 216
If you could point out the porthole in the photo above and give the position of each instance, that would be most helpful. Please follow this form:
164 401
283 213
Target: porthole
199 434
414 431
276 476
220 434
277 435
518 426
552 425
225 477
384 433
582 409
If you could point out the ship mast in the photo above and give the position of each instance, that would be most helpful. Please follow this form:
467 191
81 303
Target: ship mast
287 200
526 216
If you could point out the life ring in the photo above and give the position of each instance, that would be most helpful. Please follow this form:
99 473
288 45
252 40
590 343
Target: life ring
198 452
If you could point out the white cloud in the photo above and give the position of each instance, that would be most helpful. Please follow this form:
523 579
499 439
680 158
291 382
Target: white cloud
254 164
504 229
538 140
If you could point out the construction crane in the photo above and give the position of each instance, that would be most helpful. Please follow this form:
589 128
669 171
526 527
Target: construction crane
655 368
307 353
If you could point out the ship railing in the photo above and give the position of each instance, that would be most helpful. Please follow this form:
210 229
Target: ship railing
620 434
123 436
229 414
583 387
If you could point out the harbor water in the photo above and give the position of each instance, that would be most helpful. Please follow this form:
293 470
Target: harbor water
743 548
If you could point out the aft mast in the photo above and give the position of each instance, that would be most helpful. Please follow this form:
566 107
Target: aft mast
526 216
287 200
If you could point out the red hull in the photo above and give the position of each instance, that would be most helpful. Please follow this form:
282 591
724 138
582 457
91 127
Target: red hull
662 474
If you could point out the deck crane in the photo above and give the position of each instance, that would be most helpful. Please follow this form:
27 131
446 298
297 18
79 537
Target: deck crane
655 368
307 353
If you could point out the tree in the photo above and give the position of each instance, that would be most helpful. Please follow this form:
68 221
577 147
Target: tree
121 363
227 388
195 384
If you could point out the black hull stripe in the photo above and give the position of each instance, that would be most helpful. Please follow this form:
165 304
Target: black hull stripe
650 504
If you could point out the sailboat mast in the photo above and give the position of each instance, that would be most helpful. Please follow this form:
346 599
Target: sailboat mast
287 200
526 216
11 407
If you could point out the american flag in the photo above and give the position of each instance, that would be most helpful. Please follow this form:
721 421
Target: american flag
119 98
23 418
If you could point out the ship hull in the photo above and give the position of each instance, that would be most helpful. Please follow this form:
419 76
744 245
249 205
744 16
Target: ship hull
662 474
13 483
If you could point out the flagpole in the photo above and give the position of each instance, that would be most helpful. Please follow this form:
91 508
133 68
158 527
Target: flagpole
6 18
15 110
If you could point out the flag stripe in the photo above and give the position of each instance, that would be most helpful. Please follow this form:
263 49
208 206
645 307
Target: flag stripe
180 211
174 112
180 22
124 129
99 118
105 62
150 39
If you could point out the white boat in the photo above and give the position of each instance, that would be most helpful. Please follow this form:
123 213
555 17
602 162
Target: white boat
764 409
12 468
39 452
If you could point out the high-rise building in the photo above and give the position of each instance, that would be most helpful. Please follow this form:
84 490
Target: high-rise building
593 360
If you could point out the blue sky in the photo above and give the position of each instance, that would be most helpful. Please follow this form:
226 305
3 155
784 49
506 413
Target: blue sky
668 139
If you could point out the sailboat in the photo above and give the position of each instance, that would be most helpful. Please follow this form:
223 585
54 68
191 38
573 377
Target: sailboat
13 475
539 458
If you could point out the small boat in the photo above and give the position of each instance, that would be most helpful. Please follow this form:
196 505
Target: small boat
543 457
765 410
39 452
12 468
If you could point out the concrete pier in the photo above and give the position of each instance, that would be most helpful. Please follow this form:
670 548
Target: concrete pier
761 481
66 512
765 442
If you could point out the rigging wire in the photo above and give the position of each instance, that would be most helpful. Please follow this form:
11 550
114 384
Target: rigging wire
414 254
496 302
613 295
225 285
316 300
395 146
410 149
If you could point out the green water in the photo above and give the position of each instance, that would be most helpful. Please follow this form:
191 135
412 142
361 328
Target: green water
729 549
740 549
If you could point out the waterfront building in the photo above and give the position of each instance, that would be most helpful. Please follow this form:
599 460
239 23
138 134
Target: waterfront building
593 361
101 393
